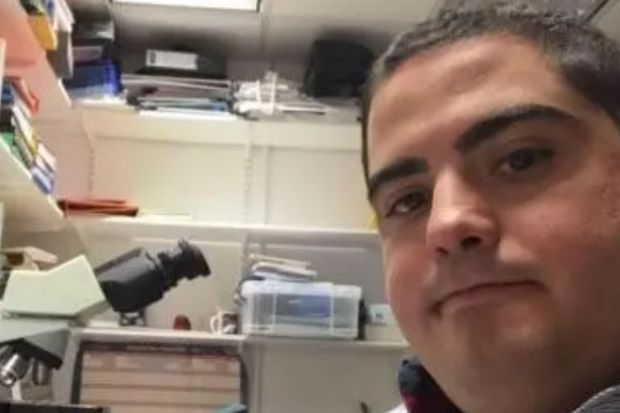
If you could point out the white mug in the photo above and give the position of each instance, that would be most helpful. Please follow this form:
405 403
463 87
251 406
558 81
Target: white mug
224 322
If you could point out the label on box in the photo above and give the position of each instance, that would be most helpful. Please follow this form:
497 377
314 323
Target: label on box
312 309
172 60
83 54
381 314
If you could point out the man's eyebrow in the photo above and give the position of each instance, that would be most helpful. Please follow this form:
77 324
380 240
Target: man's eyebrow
487 128
399 169
497 122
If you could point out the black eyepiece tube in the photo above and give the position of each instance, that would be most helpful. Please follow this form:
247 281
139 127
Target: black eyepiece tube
137 279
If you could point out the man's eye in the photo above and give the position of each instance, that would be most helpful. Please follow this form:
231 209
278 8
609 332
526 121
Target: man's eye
523 159
408 203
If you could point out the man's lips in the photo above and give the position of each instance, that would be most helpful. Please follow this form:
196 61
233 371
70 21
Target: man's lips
483 293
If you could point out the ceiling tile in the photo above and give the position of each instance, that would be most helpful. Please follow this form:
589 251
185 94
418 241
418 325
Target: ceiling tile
292 37
359 10
608 19
231 33
579 8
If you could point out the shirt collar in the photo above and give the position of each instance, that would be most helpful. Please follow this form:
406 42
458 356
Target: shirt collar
606 401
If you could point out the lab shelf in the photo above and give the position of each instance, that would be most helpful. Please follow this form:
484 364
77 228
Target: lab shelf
125 334
358 345
223 232
26 208
136 335
115 120
26 58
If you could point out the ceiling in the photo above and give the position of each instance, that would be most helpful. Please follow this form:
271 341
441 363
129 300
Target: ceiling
608 19
283 30
579 8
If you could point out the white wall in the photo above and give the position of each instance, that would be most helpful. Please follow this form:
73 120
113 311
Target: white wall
73 151
260 172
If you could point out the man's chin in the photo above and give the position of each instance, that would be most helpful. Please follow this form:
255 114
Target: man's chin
509 349
506 331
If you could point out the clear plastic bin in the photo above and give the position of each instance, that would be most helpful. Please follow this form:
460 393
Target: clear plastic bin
320 310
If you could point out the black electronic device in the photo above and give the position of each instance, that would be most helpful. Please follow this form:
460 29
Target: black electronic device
337 68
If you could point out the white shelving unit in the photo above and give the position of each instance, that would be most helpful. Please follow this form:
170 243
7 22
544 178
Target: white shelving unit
128 334
123 334
26 208
271 363
115 120
223 232
292 173
56 122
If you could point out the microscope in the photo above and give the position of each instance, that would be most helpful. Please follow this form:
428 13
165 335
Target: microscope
39 308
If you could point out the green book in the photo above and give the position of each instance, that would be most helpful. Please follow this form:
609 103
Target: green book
24 152
8 138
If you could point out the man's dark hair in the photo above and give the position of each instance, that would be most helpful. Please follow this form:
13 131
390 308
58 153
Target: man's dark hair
588 60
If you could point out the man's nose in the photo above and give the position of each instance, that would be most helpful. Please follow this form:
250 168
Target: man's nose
460 221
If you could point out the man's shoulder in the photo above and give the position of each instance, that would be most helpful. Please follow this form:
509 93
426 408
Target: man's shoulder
399 409
607 401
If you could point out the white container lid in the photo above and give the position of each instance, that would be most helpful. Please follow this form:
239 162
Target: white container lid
301 288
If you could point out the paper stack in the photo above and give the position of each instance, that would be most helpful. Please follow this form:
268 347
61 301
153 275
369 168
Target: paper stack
167 93
275 98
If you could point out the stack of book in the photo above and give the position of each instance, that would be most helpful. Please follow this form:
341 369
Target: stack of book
17 106
178 94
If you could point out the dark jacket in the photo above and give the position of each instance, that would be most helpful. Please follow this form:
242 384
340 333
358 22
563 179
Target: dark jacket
421 394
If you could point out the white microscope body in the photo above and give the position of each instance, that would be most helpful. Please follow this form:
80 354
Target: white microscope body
39 308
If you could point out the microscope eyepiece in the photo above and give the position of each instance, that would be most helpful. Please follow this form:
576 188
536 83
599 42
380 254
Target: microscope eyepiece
137 279
183 261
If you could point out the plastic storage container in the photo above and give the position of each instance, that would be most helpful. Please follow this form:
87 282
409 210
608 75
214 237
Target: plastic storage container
321 310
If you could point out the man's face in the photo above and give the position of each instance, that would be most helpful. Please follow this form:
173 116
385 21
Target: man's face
497 188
